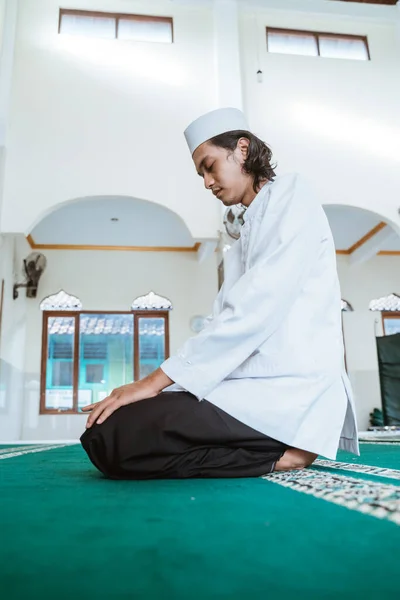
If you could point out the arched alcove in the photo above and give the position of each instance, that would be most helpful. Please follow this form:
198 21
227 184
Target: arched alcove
107 222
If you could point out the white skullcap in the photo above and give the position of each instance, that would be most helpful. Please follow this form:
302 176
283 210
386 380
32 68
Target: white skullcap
214 123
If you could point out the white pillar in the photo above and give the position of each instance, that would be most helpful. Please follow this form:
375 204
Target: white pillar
7 62
227 53
227 57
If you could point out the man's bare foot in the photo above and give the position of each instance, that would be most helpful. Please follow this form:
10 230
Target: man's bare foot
295 459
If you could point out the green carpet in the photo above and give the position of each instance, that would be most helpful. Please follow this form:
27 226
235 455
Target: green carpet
68 533
379 455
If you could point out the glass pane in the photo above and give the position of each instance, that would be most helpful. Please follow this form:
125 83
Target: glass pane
62 373
145 31
88 25
105 355
292 43
392 325
332 47
151 344
94 373
60 363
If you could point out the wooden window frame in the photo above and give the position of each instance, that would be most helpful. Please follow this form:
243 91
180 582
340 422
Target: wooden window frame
318 34
117 17
389 315
137 314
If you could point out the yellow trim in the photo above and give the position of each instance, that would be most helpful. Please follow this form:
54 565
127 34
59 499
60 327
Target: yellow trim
35 246
196 246
367 236
365 239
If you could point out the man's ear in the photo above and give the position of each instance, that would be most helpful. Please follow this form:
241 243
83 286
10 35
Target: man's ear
243 147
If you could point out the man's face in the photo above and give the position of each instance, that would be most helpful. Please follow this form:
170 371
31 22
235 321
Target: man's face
222 171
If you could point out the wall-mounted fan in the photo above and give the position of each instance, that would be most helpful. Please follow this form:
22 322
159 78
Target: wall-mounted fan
233 220
33 268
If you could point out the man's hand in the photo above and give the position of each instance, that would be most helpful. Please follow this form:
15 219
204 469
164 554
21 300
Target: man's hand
148 387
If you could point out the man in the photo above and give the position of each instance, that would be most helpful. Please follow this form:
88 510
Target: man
263 386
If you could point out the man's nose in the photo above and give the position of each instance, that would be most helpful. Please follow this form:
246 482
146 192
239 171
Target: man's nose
208 181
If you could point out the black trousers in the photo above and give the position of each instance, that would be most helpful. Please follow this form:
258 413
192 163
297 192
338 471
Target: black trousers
174 436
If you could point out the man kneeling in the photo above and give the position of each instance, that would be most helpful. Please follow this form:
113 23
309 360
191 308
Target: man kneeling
263 386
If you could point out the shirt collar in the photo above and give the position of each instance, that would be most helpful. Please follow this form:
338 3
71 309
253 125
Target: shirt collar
256 203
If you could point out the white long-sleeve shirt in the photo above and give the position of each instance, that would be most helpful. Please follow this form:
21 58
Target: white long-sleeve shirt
272 353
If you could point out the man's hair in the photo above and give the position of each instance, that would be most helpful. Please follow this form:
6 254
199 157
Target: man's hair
258 161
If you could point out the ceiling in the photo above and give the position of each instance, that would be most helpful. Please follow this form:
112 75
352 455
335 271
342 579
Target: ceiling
87 223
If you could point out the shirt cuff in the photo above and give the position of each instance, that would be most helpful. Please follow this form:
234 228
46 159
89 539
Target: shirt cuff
188 376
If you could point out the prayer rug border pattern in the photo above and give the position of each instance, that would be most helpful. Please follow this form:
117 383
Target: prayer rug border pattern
19 448
379 442
372 498
30 451
357 468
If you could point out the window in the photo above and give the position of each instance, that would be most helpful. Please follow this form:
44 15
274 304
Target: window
151 344
312 43
391 323
86 355
136 28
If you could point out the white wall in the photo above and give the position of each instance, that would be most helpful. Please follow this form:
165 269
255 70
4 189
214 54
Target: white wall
335 121
359 285
2 9
103 117
111 281
13 340
2 167
96 117
2 149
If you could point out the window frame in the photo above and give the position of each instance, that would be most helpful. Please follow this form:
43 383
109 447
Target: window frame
137 314
316 35
117 17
